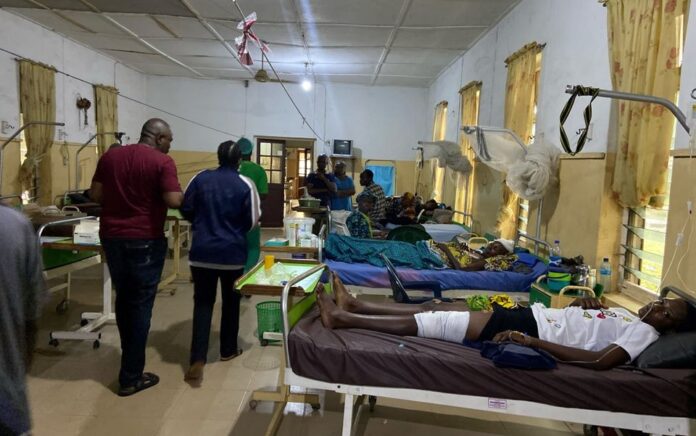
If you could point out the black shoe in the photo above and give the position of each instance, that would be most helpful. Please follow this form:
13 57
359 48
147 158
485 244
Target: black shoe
148 380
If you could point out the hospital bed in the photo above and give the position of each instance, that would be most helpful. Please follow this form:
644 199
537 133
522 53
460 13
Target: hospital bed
360 363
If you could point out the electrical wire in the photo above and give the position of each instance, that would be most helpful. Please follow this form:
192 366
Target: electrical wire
280 81
134 100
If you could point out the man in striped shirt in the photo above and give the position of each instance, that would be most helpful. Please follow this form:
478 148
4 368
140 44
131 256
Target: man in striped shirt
379 210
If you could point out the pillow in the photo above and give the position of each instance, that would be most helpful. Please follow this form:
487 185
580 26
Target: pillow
443 216
677 350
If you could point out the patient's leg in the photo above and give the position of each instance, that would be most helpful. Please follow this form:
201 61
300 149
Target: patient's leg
334 317
351 304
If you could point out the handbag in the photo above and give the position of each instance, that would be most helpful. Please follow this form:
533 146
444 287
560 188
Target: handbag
512 355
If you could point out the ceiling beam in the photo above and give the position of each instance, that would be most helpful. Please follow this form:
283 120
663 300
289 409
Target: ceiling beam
216 34
61 15
405 6
139 39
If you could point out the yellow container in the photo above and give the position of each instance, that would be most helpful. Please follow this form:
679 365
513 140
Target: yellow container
268 261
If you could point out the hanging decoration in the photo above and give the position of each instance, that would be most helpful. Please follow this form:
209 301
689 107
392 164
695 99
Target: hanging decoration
242 42
83 104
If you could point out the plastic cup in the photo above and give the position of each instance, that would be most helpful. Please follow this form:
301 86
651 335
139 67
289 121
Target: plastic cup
268 261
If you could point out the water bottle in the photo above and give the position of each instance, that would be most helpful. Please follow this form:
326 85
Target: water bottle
555 253
605 275
556 249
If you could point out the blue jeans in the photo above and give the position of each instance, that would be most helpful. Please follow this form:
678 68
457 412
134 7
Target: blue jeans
136 267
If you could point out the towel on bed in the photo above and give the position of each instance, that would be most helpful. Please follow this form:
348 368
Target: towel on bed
353 250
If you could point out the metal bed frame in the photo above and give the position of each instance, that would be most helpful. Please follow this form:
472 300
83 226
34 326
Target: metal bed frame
355 395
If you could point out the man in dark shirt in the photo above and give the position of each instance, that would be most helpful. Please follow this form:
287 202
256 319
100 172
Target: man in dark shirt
135 185
321 184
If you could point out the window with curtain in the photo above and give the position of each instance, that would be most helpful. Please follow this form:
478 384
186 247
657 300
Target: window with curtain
469 98
37 102
439 132
520 102
646 58
106 114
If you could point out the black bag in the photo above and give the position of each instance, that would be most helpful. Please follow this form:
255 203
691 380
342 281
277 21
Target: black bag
512 355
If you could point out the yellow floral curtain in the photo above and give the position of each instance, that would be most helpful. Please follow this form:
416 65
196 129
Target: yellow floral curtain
645 44
520 101
439 132
469 97
37 102
106 113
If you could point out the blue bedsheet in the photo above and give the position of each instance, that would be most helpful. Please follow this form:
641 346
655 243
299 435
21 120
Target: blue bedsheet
361 274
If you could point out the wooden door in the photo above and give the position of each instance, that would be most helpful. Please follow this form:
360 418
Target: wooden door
270 154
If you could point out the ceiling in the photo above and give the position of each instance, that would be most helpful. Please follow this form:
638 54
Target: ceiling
370 42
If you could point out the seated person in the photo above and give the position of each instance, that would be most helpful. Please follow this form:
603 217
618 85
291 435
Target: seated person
402 210
358 222
585 333
496 256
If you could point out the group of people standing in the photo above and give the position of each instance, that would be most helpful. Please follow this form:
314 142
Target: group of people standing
135 185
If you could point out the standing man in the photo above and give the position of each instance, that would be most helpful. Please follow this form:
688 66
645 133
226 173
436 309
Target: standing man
258 175
135 185
321 184
379 210
21 291
342 200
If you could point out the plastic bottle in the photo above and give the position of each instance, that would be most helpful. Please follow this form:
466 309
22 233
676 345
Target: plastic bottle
605 275
556 249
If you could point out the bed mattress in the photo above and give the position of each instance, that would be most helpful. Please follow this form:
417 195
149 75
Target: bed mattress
367 358
363 274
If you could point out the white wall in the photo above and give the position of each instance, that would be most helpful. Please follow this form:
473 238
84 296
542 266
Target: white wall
40 44
576 53
384 122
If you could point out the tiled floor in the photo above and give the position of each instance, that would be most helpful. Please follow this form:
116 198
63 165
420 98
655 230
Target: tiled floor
72 387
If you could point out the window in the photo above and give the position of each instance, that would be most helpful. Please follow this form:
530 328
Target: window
645 238
28 196
523 211
304 162
469 99
439 131
646 227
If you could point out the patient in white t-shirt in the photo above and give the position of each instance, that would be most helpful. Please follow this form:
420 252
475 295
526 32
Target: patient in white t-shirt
586 333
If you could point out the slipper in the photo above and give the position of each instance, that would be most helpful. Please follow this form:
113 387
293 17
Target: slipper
226 358
148 380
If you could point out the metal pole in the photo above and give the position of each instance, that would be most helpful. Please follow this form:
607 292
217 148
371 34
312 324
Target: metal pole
285 306
79 150
618 95
540 208
15 134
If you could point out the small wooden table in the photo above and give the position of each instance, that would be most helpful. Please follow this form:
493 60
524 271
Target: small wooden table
310 251
173 216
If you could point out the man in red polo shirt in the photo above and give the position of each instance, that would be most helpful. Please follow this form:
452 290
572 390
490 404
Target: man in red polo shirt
135 185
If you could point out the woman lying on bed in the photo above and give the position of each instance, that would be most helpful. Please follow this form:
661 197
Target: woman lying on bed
497 256
585 333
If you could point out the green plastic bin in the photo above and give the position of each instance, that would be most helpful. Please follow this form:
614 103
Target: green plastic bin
269 319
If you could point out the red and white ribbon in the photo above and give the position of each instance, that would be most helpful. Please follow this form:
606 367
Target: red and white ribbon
242 42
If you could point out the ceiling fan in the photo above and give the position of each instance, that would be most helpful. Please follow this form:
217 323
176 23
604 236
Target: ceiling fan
263 77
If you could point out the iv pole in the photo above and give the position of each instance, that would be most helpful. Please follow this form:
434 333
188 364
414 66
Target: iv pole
78 174
15 134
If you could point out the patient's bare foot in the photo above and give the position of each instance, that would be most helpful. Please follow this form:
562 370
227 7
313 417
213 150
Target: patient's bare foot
327 307
344 300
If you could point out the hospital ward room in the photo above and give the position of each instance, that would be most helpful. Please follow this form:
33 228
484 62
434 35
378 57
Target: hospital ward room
354 218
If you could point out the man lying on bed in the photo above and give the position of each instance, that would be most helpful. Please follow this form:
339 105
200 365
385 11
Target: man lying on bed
496 256
585 333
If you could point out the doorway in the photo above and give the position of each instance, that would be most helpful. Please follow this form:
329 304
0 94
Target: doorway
287 162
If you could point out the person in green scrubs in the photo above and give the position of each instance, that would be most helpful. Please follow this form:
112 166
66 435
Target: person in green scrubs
258 175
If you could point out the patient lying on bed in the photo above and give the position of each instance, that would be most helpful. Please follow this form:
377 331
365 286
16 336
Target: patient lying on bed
496 256
586 333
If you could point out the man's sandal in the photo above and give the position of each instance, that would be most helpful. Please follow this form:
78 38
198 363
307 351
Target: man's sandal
237 354
148 380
